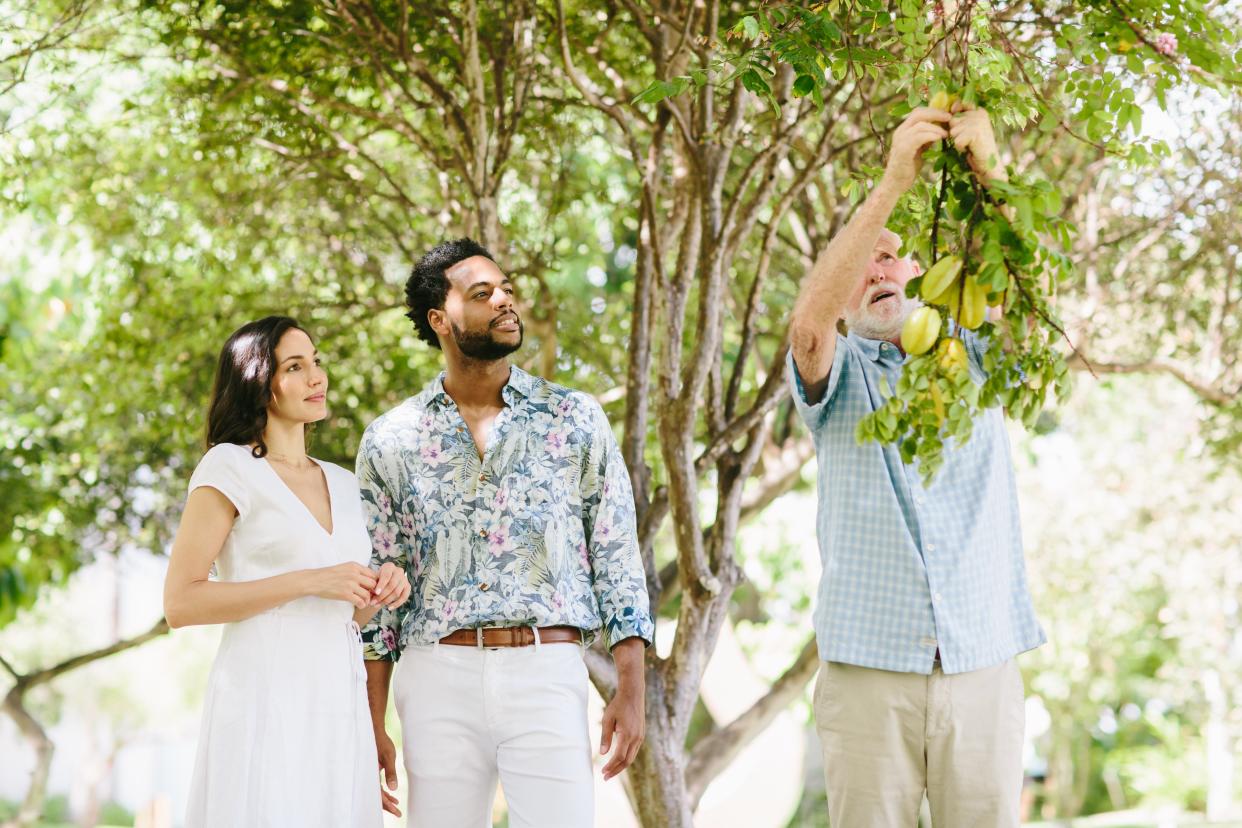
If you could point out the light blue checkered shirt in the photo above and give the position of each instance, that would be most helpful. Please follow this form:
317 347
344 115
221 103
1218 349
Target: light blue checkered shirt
909 569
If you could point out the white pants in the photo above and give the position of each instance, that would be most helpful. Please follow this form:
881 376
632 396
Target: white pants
888 737
470 716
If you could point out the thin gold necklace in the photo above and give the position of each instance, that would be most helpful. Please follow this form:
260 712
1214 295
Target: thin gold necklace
280 458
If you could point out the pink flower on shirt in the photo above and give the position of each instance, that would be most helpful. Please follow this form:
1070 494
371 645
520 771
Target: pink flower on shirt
555 442
432 454
384 540
389 638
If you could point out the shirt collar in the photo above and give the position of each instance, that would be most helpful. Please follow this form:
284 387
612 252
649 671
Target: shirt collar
519 387
875 349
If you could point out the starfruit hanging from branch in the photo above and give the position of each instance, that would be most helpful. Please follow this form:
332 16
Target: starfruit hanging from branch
989 280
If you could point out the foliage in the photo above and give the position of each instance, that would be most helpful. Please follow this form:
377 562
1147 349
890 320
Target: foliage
1130 564
1081 78
657 179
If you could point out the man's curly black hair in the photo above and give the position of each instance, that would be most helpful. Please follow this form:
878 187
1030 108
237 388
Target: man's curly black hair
428 285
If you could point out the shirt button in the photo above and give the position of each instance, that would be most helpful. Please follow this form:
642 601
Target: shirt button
482 477
484 587
482 533
931 547
936 598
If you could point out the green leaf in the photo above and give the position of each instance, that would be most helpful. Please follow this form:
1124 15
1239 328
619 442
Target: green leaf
803 86
656 92
755 83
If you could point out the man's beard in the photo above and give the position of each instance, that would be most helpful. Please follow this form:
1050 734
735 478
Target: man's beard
871 325
482 345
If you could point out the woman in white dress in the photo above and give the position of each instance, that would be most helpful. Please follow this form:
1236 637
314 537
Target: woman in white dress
286 737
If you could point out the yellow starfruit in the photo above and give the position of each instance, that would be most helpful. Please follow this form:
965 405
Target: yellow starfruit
920 331
951 355
940 277
974 304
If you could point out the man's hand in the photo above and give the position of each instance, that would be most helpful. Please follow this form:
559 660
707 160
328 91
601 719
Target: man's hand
971 131
625 724
388 764
921 128
625 717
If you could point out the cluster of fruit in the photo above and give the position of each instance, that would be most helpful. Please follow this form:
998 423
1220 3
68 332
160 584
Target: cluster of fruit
937 398
964 297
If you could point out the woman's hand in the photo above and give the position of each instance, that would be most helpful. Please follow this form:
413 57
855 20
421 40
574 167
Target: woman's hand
392 587
350 582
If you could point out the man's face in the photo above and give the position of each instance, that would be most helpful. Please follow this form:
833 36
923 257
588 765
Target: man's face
479 311
879 306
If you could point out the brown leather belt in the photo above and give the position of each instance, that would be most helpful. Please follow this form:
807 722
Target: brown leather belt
511 636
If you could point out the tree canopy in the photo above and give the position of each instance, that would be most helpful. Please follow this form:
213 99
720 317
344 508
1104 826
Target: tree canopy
657 176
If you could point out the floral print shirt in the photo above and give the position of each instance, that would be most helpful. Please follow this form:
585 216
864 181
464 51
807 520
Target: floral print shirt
540 531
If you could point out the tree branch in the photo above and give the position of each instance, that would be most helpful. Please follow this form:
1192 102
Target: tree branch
1159 365
770 395
47 674
602 671
715 752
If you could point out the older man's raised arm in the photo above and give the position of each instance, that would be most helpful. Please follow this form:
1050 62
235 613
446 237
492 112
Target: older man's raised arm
840 269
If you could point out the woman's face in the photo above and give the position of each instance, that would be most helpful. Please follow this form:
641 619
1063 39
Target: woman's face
300 385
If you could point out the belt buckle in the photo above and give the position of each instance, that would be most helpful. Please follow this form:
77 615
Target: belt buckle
478 634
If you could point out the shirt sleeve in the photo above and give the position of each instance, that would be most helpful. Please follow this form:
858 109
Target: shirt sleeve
611 532
976 348
218 470
381 636
814 414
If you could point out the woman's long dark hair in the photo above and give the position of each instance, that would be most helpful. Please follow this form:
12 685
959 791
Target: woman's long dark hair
243 386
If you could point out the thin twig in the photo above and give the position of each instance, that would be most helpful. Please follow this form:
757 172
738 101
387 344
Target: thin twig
1017 280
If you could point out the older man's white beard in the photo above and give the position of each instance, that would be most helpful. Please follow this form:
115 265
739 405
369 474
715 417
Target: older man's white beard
871 325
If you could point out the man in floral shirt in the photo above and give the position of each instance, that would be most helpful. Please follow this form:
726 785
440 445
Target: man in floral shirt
506 500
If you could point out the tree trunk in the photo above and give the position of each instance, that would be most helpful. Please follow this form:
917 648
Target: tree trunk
657 779
1220 759
32 804
14 706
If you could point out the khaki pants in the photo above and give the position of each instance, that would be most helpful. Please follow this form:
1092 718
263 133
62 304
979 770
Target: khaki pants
889 737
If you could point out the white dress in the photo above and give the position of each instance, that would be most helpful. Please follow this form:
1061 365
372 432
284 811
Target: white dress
286 738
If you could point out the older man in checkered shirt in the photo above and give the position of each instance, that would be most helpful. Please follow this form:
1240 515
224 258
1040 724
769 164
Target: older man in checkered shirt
923 604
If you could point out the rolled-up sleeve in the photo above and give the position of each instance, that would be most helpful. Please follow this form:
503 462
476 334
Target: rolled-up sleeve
813 414
381 636
612 538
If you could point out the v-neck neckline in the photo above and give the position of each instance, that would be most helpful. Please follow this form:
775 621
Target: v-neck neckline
327 482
